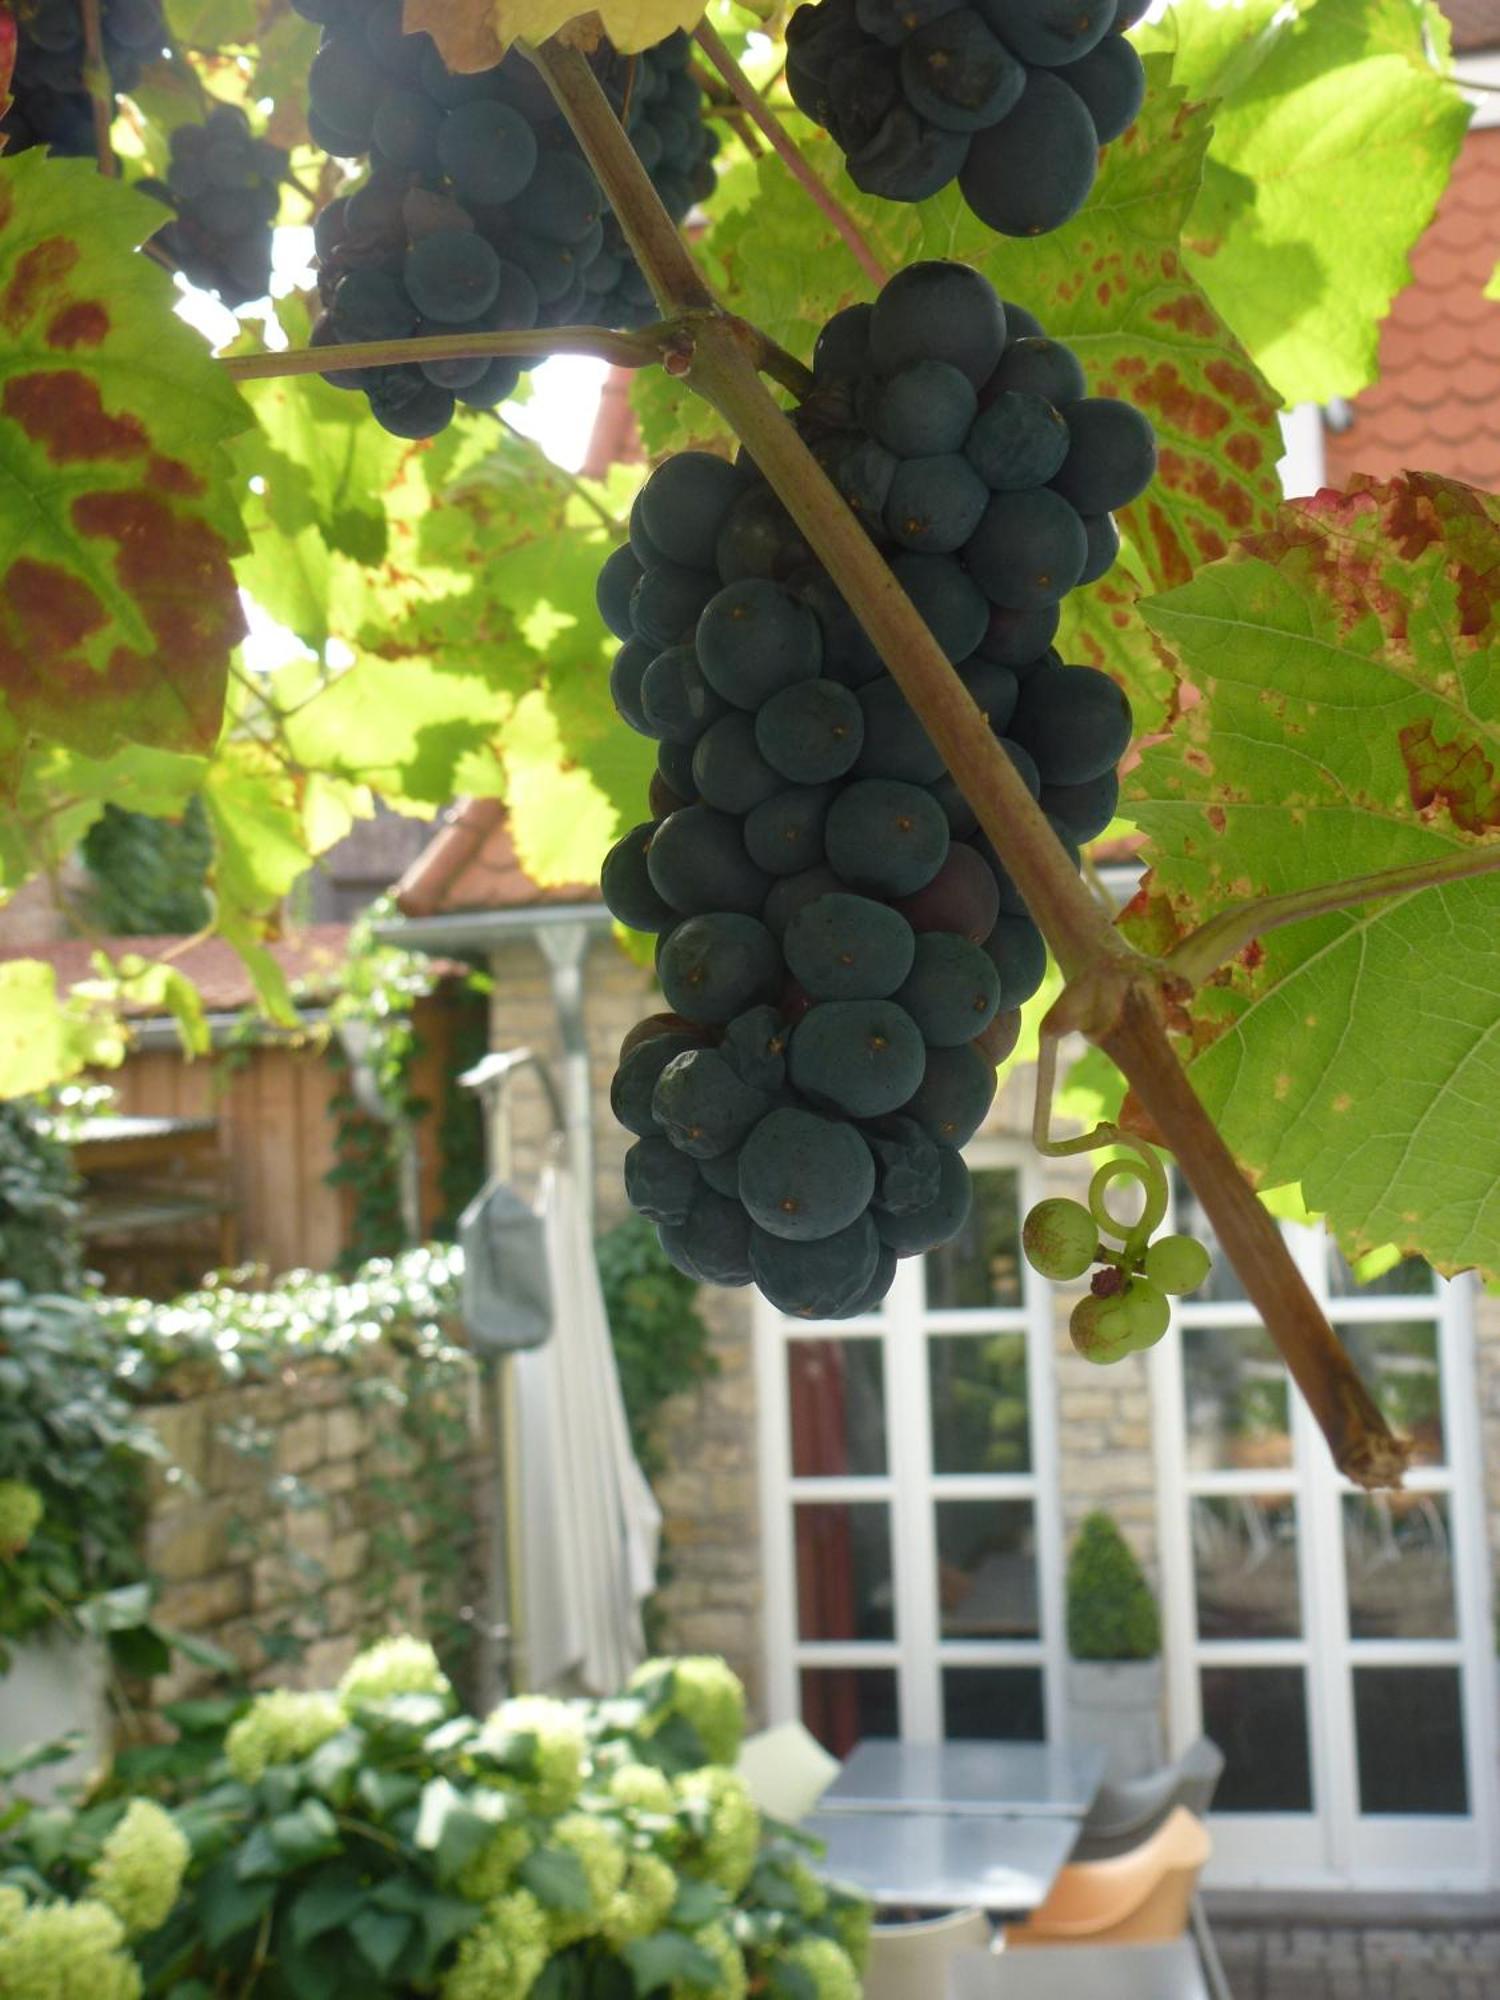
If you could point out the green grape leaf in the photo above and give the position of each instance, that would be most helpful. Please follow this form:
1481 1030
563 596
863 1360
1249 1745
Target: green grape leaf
1349 665
474 34
1333 138
118 515
49 1038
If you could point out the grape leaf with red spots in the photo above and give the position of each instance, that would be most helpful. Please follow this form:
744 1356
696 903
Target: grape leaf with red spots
118 515
1349 662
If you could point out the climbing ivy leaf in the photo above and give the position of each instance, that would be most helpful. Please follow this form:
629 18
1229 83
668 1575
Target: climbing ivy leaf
117 513
1349 663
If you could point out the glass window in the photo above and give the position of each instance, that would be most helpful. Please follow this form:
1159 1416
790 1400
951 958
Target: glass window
982 1265
845 1584
1408 1725
996 1702
1238 1400
1410 1277
1398 1361
986 1553
1245 1566
1398 1564
980 1419
1258 1718
842 1704
837 1390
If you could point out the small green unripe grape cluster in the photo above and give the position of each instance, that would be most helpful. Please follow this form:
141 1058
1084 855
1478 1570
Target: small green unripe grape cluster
1126 1308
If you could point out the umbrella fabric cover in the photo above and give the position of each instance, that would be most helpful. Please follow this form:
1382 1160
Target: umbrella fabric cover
590 1524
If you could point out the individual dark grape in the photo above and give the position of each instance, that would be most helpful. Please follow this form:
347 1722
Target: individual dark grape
1075 721
1049 31
715 966
759 539
685 503
995 691
697 863
1029 550
451 275
956 1091
917 1230
618 576
893 742
849 656
1032 172
934 504
625 678
343 88
908 1167
1018 639
864 476
952 991
660 1182
957 75
951 605
906 159
787 896
721 1173
996 1042
676 700
862 89
1018 440
1127 14
625 880
891 21
784 834
754 1046
885 838
1086 809
754 639
811 732
665 605
1103 546
652 1025
1111 455
403 402
827 1279
712 1243
563 202
961 898
841 352
879 1285
925 408
634 1081
674 762
1112 83
843 947
1060 1239
488 150
1025 764
864 1057
728 771
703 1106
938 311
1036 366
405 129
960 815
803 1177
1018 952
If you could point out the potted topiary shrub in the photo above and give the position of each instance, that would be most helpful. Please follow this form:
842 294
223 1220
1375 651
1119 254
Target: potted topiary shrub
1114 1637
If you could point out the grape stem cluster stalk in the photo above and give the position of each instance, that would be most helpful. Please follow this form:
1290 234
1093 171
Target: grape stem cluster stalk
96 82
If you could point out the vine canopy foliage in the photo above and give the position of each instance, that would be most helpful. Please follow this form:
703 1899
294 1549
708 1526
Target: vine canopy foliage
1317 681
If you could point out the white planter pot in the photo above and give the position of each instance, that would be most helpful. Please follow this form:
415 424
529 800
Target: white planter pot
1115 1706
55 1686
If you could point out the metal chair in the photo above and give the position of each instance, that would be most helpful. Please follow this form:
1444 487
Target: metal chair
911 1961
1084 1972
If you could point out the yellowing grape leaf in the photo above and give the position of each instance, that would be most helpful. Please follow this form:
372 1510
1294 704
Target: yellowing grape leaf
48 1039
118 518
474 34
1350 667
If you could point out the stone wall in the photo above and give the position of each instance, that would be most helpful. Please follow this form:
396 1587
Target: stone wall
284 1507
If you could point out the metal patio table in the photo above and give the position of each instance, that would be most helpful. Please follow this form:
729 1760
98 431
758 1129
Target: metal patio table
945 1861
982 1778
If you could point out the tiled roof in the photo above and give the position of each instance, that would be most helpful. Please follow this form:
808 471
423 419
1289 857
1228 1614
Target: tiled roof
312 960
1436 406
473 865
1475 24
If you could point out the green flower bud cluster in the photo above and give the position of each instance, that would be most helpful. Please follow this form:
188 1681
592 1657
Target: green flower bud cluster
140 1867
21 1511
63 1951
706 1692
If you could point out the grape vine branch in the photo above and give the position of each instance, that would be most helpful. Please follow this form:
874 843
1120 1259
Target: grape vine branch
1113 993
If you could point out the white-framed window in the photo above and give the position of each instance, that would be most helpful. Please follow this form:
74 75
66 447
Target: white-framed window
1334 1643
909 1495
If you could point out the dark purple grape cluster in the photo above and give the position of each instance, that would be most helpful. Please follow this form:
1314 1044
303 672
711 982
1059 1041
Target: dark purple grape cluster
1012 98
480 212
50 106
841 949
224 185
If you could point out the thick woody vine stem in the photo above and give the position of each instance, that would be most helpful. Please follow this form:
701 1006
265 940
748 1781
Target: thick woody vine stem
1112 993
787 151
1213 944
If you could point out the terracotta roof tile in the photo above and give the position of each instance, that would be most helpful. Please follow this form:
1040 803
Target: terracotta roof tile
1437 404
312 960
473 865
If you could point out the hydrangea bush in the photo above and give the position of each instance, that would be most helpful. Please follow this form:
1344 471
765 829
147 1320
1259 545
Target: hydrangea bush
371 1839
